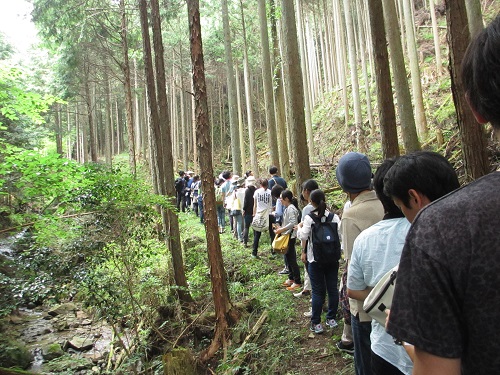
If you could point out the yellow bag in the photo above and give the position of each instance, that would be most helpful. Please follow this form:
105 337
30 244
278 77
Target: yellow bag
280 243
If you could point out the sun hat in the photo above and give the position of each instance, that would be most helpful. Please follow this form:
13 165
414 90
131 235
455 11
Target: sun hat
354 172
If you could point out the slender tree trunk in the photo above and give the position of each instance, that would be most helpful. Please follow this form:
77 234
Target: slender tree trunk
386 111
295 94
107 123
225 314
415 70
241 130
279 100
437 44
471 133
474 16
231 91
128 91
58 129
158 149
268 85
408 128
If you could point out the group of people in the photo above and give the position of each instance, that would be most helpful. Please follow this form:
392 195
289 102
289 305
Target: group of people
411 213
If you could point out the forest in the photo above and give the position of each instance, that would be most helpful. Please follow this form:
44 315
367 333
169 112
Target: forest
99 272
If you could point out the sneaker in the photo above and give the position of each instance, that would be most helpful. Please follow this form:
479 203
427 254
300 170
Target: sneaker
302 293
288 283
346 348
284 271
255 256
294 287
308 314
316 328
332 323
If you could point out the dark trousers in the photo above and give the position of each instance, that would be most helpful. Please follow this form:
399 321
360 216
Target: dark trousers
362 346
248 221
180 202
381 367
200 209
324 280
291 261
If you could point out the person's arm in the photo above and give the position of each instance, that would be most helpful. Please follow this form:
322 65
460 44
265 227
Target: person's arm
359 295
254 206
425 363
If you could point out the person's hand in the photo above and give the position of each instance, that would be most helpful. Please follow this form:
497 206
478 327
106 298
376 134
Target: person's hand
388 312
303 258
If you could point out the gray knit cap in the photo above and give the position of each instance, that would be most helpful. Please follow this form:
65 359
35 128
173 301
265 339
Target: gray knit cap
354 172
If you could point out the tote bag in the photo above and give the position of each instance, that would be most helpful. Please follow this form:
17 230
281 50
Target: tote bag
260 222
280 243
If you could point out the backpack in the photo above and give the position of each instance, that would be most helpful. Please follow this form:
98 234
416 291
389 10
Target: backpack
219 196
179 184
325 239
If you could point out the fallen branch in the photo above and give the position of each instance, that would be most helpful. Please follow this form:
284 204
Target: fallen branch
241 354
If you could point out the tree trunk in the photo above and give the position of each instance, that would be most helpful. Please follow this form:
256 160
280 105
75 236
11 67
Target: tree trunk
224 312
58 129
268 85
386 111
415 70
408 128
107 122
128 91
353 65
279 101
231 91
158 148
90 116
474 16
240 117
437 44
471 133
295 94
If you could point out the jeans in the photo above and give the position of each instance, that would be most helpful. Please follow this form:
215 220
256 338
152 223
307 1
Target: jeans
200 209
246 231
221 216
362 346
324 280
238 222
291 262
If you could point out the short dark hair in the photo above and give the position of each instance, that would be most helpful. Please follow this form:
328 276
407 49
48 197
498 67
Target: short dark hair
276 190
181 173
226 175
481 73
310 185
378 184
273 169
427 172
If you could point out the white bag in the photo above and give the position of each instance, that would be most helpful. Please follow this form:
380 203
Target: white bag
260 222
380 297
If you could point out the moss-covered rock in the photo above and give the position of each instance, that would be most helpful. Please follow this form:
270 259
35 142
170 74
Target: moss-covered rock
52 351
14 354
179 361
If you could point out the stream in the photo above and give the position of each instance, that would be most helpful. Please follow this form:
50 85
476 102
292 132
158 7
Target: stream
61 338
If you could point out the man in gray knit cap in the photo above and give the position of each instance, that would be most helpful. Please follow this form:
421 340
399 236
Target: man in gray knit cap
354 175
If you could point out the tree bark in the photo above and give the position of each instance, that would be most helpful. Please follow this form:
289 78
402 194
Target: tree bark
128 91
295 94
408 127
386 111
471 133
474 16
231 91
268 85
224 312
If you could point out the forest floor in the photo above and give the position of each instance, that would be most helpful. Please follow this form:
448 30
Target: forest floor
316 354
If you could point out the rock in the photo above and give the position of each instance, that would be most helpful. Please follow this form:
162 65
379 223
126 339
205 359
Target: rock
81 343
65 308
86 322
52 351
14 353
81 315
15 319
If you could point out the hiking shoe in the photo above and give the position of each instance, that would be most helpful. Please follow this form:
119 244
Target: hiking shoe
346 348
284 271
302 293
308 313
288 283
316 328
331 323
294 287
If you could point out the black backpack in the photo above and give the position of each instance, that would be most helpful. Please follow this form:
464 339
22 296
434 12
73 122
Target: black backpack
325 239
179 184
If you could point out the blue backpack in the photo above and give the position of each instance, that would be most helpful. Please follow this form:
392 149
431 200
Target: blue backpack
325 239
